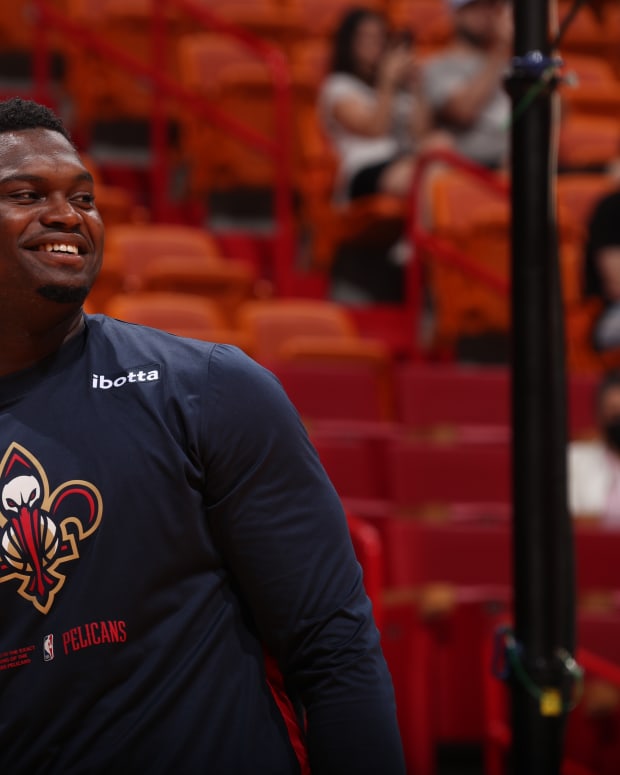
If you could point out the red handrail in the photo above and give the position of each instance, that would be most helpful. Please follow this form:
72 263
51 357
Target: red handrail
427 246
49 17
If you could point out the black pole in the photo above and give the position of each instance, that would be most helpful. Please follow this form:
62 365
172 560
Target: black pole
542 532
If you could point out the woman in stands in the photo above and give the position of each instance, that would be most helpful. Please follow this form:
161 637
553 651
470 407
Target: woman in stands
372 107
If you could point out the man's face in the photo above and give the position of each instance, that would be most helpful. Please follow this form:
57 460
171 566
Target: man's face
609 405
481 19
51 234
368 45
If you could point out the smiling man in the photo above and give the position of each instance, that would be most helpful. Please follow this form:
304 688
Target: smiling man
50 232
178 589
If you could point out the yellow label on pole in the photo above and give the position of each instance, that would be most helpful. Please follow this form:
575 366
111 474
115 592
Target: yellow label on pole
550 702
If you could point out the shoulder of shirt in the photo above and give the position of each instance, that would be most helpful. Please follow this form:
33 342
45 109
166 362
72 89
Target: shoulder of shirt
336 81
185 355
450 57
582 452
182 351
111 328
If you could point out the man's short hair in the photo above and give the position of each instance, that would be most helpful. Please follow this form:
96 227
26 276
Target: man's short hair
17 114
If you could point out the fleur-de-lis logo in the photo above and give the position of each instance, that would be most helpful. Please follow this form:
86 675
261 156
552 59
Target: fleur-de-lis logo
39 529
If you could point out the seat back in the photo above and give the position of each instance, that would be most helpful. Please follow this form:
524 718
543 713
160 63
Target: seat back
446 394
176 313
424 473
271 322
130 248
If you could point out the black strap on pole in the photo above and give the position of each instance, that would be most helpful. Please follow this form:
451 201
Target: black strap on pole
542 532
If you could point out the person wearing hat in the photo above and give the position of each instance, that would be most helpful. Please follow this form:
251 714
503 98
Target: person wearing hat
464 82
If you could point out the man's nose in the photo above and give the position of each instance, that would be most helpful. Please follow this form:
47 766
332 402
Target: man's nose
59 210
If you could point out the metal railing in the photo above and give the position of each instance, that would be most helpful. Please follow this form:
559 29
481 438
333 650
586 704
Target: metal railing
277 149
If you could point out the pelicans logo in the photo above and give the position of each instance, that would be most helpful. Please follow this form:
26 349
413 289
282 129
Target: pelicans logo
40 530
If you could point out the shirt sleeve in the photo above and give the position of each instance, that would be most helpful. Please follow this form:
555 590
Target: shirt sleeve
283 533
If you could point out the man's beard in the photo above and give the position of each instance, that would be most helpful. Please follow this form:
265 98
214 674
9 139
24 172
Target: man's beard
64 294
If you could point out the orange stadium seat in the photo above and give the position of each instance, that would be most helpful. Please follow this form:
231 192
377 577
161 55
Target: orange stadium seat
596 91
273 20
376 220
179 314
103 90
327 367
271 322
319 18
431 22
223 69
468 217
588 142
229 283
590 32
577 194
130 248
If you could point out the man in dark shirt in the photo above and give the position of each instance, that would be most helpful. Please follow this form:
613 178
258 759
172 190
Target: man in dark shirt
178 589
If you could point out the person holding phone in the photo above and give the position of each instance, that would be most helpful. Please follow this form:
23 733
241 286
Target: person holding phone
373 107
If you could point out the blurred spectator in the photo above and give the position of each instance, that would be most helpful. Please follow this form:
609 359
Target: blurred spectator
594 466
602 270
372 107
464 82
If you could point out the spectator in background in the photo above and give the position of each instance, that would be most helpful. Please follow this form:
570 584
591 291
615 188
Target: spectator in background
594 466
464 83
373 107
374 113
602 270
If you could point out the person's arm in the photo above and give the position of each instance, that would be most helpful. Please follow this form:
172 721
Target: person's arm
283 533
360 117
464 104
422 119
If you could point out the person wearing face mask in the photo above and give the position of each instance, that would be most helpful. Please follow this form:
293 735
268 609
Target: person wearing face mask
594 465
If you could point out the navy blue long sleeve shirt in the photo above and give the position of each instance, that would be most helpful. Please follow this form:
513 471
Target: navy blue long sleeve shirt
164 523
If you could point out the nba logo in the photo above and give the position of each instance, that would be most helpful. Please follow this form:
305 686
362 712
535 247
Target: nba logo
48 648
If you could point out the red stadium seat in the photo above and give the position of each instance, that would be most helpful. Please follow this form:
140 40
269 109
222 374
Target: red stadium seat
369 552
332 390
449 394
424 472
353 454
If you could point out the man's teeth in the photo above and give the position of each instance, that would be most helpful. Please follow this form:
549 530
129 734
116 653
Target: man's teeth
59 248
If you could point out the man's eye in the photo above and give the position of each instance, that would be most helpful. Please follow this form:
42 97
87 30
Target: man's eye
25 196
84 200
